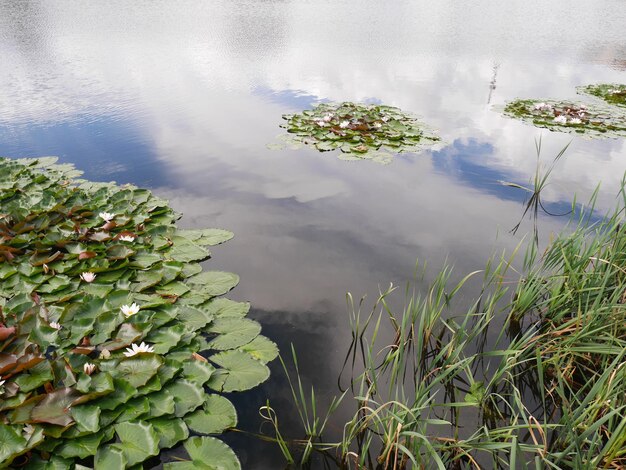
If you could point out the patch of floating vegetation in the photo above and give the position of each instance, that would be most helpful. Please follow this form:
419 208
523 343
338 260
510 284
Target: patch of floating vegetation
564 116
360 132
114 343
612 93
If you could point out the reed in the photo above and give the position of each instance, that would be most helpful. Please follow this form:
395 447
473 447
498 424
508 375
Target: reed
531 374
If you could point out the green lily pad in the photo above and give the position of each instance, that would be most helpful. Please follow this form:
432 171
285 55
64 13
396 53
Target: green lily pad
170 431
70 392
206 237
363 132
139 369
611 93
232 332
262 349
563 116
217 415
238 371
213 283
138 441
187 396
206 453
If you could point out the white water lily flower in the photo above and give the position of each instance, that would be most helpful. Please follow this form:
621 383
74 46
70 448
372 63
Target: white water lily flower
129 310
106 216
378 125
134 349
327 118
321 123
88 276
28 431
127 238
560 119
385 118
105 354
575 121
542 107
89 368
344 124
55 325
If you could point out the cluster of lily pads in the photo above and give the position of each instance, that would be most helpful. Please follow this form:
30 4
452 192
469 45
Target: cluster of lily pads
612 93
359 131
564 116
114 343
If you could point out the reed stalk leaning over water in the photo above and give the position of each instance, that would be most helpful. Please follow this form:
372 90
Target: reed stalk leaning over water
531 375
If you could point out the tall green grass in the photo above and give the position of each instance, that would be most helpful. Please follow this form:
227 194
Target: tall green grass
531 374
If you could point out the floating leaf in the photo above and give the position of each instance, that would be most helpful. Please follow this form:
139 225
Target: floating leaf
232 332
262 349
139 369
138 441
222 307
87 417
240 371
82 447
206 453
110 457
198 371
187 395
217 415
206 237
116 252
161 403
54 408
213 283
12 442
185 250
170 431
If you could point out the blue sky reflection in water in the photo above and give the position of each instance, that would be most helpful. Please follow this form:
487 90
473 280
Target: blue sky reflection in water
183 98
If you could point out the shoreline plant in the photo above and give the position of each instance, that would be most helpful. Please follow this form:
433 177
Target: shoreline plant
114 342
530 374
361 132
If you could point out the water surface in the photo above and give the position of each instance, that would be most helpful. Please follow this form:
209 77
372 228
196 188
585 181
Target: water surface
182 97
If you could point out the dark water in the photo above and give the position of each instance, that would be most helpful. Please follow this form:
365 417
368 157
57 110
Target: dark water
182 97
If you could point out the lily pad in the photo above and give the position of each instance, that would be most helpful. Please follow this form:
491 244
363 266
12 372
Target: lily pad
138 441
232 332
362 132
262 349
217 415
67 372
206 237
138 370
206 453
238 371
612 93
563 116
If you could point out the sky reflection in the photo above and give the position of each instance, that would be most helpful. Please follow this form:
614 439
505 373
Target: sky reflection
183 98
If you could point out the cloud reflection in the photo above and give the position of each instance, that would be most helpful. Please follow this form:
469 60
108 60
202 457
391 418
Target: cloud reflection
183 97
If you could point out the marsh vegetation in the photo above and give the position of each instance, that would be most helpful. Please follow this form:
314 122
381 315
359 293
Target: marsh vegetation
530 374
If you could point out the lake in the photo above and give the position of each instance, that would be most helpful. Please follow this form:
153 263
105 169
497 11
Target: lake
184 97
